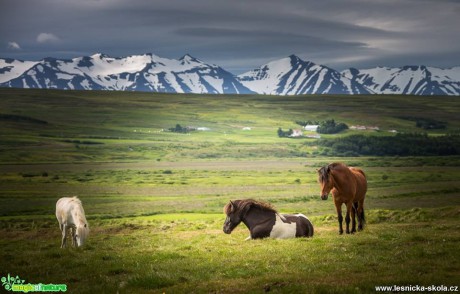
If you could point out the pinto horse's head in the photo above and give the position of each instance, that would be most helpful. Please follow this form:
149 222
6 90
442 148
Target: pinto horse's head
326 181
233 217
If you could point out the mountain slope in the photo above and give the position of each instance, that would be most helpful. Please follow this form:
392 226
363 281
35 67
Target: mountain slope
293 76
413 80
286 76
12 68
133 73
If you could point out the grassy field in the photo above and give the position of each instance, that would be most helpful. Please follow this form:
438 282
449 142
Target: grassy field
154 198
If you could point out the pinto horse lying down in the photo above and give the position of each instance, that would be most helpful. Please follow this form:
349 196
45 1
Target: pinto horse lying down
264 221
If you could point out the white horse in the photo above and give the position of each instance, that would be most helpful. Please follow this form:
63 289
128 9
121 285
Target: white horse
70 215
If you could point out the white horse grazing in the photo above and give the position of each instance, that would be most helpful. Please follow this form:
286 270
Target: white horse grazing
70 215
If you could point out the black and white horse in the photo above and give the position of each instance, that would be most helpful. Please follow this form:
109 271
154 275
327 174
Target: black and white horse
264 221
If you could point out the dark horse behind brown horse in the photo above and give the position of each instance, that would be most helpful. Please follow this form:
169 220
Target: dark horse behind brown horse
348 186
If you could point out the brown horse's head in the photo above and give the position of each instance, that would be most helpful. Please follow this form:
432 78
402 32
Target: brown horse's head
326 181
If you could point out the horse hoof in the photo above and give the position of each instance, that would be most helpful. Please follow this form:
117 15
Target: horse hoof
340 232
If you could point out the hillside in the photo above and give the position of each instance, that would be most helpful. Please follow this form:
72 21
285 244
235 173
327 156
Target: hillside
64 123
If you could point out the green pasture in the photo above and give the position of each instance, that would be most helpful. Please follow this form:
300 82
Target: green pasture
154 199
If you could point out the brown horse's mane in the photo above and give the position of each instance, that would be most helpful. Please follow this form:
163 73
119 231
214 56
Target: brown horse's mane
241 205
325 170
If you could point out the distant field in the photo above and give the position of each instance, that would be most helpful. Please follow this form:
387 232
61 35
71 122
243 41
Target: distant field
82 126
154 198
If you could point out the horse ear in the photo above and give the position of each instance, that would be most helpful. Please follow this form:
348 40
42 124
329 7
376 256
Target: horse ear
85 225
232 205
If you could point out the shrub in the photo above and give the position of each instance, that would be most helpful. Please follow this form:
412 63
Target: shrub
331 127
179 129
283 134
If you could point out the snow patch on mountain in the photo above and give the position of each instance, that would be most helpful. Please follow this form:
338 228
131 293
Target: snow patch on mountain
413 80
12 68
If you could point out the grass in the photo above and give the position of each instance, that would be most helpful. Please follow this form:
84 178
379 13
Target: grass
184 253
154 199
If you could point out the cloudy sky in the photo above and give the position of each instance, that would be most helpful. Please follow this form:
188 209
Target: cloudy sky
237 34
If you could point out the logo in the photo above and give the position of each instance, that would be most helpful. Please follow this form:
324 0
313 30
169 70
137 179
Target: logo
15 284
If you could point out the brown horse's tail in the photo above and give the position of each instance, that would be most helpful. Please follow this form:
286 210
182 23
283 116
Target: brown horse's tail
364 218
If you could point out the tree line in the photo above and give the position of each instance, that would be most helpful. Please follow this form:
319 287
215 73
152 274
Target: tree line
426 123
401 144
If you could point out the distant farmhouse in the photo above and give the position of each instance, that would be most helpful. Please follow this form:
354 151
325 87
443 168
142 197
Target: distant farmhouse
311 128
296 134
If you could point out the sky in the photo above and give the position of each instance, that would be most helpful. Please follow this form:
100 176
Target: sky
238 35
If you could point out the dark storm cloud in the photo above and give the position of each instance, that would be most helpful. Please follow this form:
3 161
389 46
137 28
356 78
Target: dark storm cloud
257 43
238 35
264 36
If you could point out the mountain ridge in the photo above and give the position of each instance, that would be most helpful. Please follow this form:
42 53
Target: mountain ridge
286 76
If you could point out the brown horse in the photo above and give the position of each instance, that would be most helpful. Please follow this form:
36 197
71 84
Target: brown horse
348 186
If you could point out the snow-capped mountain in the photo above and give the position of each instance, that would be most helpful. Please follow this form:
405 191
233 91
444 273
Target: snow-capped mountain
286 76
12 68
293 76
146 72
414 80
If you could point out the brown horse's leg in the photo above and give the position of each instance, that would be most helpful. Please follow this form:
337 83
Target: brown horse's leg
338 207
347 216
361 215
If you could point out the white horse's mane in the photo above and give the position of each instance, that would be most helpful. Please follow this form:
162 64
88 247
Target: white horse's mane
77 215
82 227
